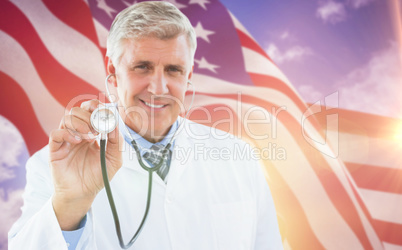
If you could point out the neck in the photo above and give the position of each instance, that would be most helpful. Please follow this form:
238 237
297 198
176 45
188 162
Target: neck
143 128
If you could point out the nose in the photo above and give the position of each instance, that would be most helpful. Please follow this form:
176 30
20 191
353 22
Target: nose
158 84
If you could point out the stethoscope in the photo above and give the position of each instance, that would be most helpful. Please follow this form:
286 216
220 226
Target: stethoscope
104 120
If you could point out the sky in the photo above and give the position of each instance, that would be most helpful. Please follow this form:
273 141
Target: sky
348 46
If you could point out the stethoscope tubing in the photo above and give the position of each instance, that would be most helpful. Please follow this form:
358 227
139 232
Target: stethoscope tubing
111 200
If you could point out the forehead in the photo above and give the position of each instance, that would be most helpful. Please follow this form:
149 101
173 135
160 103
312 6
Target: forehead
175 50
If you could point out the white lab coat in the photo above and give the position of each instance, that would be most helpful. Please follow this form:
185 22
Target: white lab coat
209 202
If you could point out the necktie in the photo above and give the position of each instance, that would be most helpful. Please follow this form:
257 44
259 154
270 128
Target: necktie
153 156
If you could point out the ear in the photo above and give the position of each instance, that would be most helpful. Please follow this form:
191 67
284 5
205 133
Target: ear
190 75
110 69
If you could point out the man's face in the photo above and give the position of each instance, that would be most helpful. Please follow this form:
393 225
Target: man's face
152 78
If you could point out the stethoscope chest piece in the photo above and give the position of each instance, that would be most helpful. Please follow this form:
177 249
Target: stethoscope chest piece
104 120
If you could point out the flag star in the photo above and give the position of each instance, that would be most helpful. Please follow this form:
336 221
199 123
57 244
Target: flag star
103 6
200 2
203 64
129 4
178 5
203 33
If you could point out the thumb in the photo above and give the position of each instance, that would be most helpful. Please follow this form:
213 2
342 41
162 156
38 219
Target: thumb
115 141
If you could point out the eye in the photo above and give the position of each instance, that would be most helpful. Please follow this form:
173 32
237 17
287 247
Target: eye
144 66
174 69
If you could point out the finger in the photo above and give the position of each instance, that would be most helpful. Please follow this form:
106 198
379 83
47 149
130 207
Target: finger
81 113
91 105
79 127
60 136
85 116
115 141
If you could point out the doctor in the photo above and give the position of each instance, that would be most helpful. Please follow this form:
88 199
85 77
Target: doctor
201 202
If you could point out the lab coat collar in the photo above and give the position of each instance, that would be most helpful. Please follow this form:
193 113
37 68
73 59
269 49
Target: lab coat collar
177 165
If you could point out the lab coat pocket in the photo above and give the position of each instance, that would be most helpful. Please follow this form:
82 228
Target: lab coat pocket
233 224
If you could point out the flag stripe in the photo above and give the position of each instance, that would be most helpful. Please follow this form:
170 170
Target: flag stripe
359 149
249 43
369 125
376 178
76 14
274 83
11 64
61 83
389 232
15 99
383 206
65 44
222 87
256 63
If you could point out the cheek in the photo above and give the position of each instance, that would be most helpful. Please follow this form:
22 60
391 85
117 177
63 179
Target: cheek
129 88
179 91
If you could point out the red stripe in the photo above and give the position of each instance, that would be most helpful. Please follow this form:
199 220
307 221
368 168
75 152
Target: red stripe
62 84
18 109
333 187
389 232
293 223
76 14
370 125
254 100
376 178
249 43
274 83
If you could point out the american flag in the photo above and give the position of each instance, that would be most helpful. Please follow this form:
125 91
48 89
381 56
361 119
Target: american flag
334 174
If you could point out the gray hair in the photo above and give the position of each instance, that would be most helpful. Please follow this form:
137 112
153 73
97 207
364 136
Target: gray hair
148 19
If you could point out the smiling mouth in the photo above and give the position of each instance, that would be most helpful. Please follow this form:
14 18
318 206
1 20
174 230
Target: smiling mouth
153 105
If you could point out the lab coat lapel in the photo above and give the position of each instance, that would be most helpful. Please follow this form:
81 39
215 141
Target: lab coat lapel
181 157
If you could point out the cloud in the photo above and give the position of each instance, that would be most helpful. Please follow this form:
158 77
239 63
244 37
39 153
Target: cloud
376 86
331 11
10 212
295 53
11 147
359 3
335 12
309 93
284 35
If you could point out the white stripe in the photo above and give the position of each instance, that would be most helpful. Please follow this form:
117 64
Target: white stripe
366 150
383 206
101 32
240 26
16 63
338 167
303 182
256 63
389 246
206 83
70 48
286 245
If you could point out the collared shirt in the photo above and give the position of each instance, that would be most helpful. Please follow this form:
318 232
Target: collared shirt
142 143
